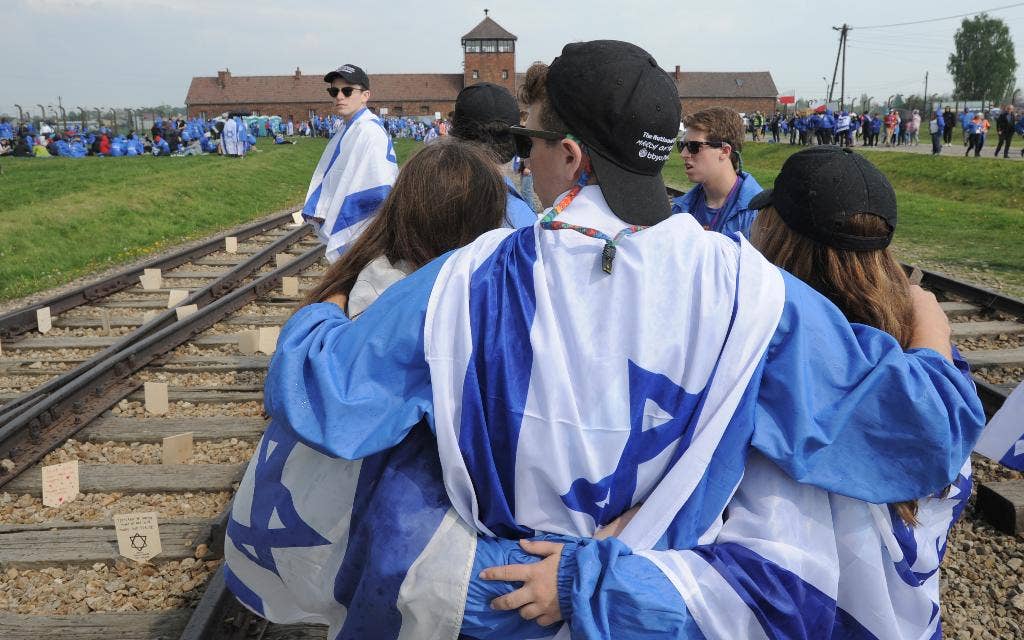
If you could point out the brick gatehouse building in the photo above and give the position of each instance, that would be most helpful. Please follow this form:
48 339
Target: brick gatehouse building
489 55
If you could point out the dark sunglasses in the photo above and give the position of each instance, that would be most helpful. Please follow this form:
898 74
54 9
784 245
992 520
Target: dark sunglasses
521 136
345 91
694 146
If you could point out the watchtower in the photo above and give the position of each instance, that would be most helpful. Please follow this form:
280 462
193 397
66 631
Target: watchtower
490 55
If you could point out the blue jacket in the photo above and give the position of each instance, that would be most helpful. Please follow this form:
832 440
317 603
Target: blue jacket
739 217
518 212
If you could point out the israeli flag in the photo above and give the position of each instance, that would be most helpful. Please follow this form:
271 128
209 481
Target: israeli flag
352 179
794 561
1003 437
524 449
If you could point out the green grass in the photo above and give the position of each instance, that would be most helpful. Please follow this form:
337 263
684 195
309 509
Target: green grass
964 216
61 218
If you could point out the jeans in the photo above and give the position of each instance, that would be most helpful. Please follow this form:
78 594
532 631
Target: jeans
1004 139
936 143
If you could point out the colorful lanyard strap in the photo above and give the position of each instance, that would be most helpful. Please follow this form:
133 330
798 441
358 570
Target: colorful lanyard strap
702 202
608 253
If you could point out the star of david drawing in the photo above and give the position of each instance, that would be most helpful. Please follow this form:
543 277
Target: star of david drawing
138 541
274 522
607 498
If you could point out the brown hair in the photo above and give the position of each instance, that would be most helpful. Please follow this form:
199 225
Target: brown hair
869 287
446 195
720 124
534 92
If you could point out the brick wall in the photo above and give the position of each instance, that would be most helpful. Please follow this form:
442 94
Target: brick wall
743 105
415 108
491 66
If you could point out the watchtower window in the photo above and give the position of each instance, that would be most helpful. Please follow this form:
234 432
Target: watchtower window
504 74
506 46
476 74
472 46
490 46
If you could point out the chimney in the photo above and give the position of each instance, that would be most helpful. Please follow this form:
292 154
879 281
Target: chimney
222 77
677 72
298 73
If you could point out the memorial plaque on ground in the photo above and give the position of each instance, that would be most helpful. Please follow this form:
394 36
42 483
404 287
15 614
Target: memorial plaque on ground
138 535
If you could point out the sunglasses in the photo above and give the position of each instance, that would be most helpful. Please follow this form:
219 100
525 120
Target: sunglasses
521 136
345 91
694 146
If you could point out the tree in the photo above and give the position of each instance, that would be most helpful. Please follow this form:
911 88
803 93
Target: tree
983 64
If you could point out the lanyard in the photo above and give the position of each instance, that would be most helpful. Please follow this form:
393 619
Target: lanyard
608 253
702 202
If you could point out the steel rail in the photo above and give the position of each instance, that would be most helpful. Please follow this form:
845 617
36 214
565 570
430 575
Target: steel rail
201 297
23 320
48 423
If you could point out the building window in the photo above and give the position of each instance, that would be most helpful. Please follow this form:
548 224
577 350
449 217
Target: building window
504 74
490 46
506 46
424 109
476 74
472 46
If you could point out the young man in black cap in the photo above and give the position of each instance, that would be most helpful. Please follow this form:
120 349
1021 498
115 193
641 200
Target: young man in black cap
584 365
484 113
352 178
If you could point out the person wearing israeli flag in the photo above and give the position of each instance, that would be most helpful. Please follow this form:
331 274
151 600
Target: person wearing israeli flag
568 377
851 569
370 547
356 170
234 137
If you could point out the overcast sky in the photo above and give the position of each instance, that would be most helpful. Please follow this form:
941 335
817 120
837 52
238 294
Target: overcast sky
123 53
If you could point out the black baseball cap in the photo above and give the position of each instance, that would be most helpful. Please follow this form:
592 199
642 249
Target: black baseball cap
614 97
486 102
818 189
351 74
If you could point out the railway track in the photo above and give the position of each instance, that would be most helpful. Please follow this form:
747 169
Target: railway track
75 394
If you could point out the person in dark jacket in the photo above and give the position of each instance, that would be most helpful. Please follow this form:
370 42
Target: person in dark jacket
949 118
1005 125
937 128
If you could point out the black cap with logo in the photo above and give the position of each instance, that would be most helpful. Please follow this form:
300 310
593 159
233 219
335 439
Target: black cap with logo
818 189
615 98
351 74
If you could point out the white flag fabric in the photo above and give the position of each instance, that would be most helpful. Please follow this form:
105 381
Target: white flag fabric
352 179
1003 437
234 137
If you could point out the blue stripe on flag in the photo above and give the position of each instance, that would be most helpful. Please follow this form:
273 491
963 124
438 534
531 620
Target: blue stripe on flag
359 206
244 594
1014 457
399 492
502 305
784 604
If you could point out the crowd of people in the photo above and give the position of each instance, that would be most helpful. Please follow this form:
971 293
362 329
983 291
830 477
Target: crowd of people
630 418
895 128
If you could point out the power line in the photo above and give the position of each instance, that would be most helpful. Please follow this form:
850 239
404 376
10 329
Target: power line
960 15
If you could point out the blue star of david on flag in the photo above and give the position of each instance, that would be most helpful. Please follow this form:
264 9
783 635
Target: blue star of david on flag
274 522
610 496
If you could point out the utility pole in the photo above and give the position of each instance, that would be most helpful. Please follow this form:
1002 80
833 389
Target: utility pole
927 107
840 52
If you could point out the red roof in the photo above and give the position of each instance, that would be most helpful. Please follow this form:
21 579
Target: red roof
386 87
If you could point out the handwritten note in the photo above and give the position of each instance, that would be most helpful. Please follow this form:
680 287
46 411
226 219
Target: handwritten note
60 483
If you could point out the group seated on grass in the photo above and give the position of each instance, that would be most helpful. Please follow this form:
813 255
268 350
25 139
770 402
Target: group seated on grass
192 137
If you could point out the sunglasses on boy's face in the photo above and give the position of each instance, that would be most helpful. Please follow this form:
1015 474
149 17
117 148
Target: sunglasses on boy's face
694 146
521 136
345 91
